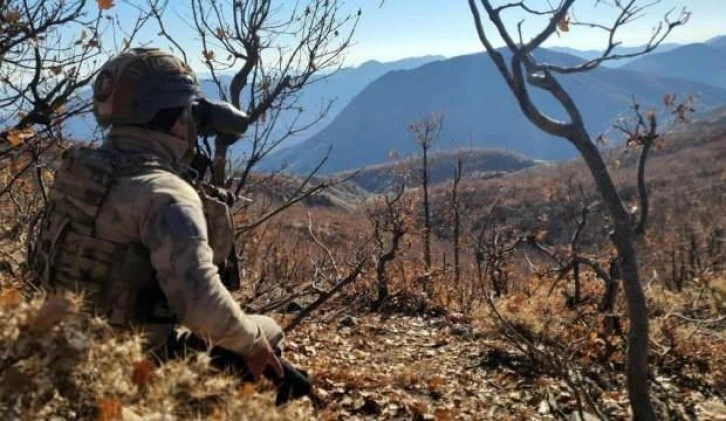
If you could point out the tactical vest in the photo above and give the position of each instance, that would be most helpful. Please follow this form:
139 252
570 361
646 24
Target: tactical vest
117 279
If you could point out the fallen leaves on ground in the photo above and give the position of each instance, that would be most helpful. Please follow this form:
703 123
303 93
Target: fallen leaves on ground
432 369
407 368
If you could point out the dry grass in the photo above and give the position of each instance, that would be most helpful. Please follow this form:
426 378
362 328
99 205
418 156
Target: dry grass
60 363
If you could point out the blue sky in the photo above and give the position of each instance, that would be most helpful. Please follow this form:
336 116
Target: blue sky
407 28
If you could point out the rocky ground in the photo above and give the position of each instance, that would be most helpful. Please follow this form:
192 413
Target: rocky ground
444 369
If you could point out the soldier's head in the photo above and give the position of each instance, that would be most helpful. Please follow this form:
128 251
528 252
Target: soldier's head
146 87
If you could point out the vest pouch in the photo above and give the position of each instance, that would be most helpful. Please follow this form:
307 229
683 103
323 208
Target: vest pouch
82 264
220 230
229 272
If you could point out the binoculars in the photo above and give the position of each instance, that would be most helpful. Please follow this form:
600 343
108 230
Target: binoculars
218 118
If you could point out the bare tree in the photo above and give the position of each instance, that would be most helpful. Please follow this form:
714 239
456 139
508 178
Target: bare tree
274 50
425 132
49 52
524 72
493 248
455 206
386 220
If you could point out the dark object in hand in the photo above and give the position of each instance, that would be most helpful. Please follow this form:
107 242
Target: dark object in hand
295 384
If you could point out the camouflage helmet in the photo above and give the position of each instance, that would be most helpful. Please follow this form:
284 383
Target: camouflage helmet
133 86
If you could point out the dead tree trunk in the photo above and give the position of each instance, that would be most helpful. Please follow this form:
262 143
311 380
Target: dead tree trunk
523 73
390 221
456 209
425 132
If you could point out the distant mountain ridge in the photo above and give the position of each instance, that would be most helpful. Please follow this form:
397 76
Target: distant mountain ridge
718 41
593 54
480 111
340 88
701 62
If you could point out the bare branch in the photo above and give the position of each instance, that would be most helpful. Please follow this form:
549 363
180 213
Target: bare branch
628 13
327 295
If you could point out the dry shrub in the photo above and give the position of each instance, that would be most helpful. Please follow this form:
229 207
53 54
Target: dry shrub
574 344
58 362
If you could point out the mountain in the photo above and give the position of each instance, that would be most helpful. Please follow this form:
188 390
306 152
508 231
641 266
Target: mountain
702 62
340 86
591 54
718 42
479 111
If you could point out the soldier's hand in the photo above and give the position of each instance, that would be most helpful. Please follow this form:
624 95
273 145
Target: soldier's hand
262 358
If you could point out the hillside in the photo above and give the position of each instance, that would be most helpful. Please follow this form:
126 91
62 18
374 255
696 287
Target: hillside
274 189
685 180
681 259
479 111
477 163
698 62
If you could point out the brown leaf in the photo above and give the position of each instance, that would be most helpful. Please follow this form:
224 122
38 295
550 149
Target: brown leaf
436 382
593 335
10 297
246 389
143 370
108 410
443 415
541 235
13 16
18 137
105 4
668 100
54 309
564 24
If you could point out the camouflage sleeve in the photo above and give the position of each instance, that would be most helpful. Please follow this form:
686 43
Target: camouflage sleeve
175 233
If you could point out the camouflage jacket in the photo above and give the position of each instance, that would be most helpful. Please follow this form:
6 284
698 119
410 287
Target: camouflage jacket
154 207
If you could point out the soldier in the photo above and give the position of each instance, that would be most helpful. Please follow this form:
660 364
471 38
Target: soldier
125 225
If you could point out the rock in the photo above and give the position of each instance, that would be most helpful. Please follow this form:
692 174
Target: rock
460 329
292 307
438 322
348 321
457 318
